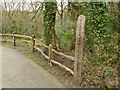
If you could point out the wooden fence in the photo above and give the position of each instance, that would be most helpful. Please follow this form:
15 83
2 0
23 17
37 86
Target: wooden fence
78 50
34 47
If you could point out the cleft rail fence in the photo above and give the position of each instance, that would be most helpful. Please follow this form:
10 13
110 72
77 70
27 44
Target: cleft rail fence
78 50
34 48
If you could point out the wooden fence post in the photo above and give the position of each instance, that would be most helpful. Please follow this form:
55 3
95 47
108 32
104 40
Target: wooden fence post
33 43
79 50
14 39
50 54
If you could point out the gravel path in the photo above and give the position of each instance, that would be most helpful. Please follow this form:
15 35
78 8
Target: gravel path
18 71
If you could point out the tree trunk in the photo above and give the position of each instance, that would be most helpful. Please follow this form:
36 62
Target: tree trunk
49 23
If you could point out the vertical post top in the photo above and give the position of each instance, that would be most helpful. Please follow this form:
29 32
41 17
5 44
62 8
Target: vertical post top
80 25
81 16
33 36
50 45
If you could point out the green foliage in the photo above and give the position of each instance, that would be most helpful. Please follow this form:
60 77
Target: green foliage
109 71
65 32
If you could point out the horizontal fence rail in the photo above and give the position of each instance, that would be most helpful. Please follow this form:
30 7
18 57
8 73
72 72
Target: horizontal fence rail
16 35
34 47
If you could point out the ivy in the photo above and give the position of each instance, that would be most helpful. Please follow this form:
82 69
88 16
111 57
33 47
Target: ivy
49 21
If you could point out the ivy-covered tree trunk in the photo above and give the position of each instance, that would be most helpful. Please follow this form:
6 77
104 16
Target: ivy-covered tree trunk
49 23
119 44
